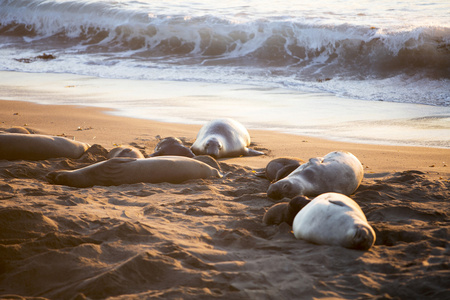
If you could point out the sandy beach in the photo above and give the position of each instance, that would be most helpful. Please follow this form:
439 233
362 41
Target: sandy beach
204 239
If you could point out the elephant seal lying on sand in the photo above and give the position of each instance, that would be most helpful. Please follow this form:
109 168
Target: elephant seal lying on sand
37 146
339 172
121 170
223 138
334 219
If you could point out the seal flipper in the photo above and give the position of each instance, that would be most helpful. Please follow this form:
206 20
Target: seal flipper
55 177
160 152
260 173
252 152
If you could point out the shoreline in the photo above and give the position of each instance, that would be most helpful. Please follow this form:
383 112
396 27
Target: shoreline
318 115
98 126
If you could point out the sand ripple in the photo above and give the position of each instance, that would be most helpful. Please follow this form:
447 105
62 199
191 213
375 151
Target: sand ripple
205 239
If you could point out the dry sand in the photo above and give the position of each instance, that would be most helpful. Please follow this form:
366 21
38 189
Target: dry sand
204 239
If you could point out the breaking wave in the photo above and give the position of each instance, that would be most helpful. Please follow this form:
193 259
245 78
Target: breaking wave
298 48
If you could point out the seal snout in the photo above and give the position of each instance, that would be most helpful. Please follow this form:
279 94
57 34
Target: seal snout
213 148
364 238
279 190
213 153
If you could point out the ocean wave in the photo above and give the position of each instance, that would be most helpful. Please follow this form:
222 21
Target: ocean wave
306 49
378 60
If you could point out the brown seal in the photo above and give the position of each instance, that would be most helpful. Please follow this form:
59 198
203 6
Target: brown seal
122 170
171 146
37 147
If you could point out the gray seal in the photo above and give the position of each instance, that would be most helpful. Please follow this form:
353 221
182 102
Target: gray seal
338 171
223 138
334 219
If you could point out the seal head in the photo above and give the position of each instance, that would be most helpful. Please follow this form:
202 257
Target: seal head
171 146
213 147
285 212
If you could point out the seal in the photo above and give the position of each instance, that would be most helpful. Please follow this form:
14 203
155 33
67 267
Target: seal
15 146
126 151
20 129
338 171
279 168
171 146
334 219
285 212
209 160
125 170
223 138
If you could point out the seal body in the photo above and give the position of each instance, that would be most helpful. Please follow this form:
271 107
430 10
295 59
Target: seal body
223 138
172 146
334 219
37 146
339 172
117 171
127 151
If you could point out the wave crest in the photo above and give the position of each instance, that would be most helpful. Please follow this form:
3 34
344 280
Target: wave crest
307 49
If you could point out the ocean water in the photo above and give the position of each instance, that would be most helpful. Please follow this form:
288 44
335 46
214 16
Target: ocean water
291 59
395 51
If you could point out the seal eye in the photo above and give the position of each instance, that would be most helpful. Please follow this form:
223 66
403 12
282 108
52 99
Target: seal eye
286 186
